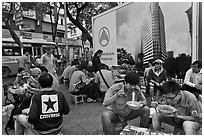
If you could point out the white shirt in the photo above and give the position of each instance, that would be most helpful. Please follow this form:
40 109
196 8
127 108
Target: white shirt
108 76
67 73
190 78
48 62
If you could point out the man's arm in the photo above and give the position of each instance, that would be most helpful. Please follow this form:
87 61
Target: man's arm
142 98
110 97
85 80
97 78
187 118
33 111
164 78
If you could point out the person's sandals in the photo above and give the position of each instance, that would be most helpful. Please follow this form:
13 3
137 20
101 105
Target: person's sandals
89 100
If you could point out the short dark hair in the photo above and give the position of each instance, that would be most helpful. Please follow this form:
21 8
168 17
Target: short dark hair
197 62
20 69
43 68
90 69
45 80
83 65
132 78
75 62
98 52
170 87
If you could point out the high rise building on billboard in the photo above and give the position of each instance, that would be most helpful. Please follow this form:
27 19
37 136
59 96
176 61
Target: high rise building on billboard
153 40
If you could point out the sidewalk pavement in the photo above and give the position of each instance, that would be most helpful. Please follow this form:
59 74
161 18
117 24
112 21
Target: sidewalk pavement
84 118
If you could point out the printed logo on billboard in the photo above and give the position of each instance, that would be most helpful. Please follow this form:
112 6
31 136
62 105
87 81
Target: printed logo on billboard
104 36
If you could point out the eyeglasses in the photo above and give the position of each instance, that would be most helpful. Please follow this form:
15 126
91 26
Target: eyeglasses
172 98
35 76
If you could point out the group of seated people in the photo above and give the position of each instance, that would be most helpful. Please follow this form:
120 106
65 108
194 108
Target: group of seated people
187 117
39 106
185 99
43 106
84 81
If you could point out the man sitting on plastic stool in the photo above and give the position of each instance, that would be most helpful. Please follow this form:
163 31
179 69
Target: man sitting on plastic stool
116 108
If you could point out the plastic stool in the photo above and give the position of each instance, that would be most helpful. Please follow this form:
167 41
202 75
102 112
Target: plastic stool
77 99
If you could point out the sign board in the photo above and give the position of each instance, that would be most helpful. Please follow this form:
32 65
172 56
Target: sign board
45 36
117 30
18 18
105 38
10 44
29 14
26 35
25 27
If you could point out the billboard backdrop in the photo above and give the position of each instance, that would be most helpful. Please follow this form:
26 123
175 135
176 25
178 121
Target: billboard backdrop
121 27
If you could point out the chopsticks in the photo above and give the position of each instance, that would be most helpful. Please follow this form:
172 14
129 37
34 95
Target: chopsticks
156 105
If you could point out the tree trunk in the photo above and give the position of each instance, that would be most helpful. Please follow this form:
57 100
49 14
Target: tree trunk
12 32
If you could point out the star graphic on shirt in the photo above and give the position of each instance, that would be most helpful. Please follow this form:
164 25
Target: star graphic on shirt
50 104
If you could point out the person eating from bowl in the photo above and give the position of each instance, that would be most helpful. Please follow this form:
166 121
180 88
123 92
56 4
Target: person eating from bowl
187 115
117 110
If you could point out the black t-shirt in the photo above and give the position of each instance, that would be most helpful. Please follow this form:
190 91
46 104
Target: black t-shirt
47 109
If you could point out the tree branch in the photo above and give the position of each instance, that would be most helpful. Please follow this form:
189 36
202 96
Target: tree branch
11 30
79 25
84 6
80 9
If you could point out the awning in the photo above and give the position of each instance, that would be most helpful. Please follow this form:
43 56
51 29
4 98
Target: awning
38 41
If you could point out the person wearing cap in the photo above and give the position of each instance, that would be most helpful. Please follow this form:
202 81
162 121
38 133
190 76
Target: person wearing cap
157 76
188 114
191 83
116 108
35 73
45 114
48 61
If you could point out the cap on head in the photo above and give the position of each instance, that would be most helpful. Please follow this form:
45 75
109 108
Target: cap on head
158 61
35 71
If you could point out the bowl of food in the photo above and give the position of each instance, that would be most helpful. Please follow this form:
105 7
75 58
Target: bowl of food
121 76
122 71
134 104
166 109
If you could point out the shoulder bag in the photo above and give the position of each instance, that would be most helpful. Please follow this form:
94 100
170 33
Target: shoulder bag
104 79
